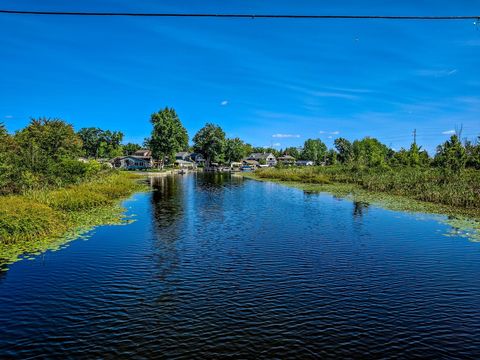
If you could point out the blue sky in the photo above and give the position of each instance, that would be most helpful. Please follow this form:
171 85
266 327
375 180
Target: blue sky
270 82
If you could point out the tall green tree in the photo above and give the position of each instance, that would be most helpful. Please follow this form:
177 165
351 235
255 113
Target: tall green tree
168 135
45 141
98 143
9 162
210 142
292 151
314 150
473 153
451 155
344 149
235 150
370 152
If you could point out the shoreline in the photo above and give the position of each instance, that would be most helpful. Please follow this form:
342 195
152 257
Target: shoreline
35 222
464 220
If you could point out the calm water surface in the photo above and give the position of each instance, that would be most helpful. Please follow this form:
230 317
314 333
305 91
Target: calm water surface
220 267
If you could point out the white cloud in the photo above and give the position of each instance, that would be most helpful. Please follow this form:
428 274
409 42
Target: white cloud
448 132
224 103
335 95
336 132
8 116
330 137
285 135
276 144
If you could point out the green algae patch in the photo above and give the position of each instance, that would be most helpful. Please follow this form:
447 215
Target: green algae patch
464 222
35 222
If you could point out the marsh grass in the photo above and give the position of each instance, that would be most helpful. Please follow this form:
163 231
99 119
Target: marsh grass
430 185
46 219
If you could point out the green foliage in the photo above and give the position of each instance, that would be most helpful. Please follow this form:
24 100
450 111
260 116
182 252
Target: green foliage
369 152
292 151
310 175
314 150
235 150
130 148
473 154
36 220
98 143
424 184
210 142
43 154
344 149
451 155
45 141
168 135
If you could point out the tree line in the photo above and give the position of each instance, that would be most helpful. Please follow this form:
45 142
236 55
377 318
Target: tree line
47 151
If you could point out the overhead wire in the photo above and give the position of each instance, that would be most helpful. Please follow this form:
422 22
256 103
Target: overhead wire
242 15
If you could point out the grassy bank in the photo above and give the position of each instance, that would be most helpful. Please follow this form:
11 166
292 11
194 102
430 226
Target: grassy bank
429 185
43 219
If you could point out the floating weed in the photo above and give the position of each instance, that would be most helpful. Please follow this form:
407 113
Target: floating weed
38 221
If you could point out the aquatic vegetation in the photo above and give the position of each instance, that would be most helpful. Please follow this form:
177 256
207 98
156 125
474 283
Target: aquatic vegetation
425 184
46 219
464 221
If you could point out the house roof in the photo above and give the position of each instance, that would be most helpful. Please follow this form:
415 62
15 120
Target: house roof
260 155
286 157
142 152
182 154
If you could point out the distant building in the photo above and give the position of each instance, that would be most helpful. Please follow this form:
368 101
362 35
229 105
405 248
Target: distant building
304 163
286 159
267 158
182 155
140 160
184 164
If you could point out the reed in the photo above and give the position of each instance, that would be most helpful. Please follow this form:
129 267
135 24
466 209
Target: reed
425 184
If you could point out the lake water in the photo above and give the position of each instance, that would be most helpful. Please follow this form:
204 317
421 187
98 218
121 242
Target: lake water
216 266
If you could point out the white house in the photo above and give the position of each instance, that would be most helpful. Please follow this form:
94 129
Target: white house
268 158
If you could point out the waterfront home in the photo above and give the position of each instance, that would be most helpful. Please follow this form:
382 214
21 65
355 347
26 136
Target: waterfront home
266 158
304 163
251 164
184 164
286 160
140 160
197 158
182 155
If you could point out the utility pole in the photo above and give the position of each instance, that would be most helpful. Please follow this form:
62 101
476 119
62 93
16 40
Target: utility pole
415 136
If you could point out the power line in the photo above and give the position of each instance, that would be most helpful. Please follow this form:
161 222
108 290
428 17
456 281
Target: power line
247 16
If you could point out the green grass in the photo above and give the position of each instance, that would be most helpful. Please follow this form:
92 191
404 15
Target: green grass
46 219
430 185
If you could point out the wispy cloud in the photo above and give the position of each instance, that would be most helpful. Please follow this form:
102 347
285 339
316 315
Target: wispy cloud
285 135
448 132
332 94
224 103
336 132
8 117
436 72
276 144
